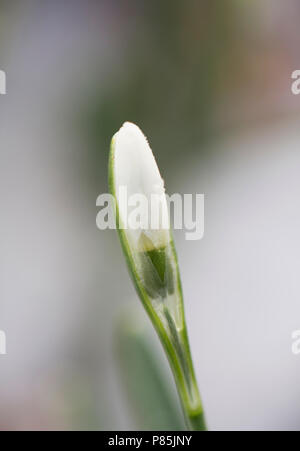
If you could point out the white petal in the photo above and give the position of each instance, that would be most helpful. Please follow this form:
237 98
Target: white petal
135 168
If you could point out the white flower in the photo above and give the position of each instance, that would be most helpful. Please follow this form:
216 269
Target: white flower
138 183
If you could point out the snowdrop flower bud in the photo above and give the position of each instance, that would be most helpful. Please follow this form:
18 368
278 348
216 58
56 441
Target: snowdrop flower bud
143 225
143 211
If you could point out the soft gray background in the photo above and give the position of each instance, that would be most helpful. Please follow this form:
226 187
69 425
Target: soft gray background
209 83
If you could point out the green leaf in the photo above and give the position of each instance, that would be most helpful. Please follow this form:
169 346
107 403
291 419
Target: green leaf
146 385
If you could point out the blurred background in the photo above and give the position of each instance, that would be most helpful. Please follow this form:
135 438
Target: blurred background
209 83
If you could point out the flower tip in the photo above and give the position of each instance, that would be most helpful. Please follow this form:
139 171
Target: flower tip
128 124
129 130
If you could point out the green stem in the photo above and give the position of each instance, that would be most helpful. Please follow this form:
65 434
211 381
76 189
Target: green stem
177 348
189 394
197 422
